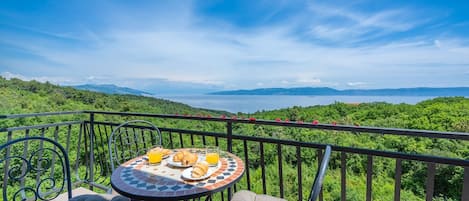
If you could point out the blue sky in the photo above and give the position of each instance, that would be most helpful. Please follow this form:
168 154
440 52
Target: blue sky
199 46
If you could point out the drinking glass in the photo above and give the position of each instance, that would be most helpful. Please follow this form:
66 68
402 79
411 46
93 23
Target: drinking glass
212 155
155 155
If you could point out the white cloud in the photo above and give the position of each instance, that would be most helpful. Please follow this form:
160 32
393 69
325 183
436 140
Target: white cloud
392 19
8 75
193 57
356 84
309 81
55 80
335 33
190 52
347 24
437 43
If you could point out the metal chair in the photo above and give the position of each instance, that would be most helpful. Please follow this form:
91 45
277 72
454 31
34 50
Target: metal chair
34 158
317 185
38 168
245 195
131 139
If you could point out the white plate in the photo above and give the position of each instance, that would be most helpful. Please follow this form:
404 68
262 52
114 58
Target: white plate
178 164
187 173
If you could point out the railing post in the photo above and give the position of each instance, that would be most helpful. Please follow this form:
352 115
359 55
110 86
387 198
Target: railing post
430 183
77 162
369 177
343 176
299 171
397 180
229 144
91 181
465 186
229 135
7 162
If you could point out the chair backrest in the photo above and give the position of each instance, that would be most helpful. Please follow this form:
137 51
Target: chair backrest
131 139
317 185
34 168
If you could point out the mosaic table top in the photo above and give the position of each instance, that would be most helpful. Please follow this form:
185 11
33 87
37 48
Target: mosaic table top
138 180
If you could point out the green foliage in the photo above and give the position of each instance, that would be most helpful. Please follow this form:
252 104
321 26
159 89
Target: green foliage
439 114
17 96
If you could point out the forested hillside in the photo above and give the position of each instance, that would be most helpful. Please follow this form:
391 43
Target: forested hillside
17 96
441 114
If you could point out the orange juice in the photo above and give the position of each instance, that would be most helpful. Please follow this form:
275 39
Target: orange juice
155 156
212 158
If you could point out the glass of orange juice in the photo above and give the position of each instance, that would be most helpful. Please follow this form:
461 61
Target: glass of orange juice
155 155
212 155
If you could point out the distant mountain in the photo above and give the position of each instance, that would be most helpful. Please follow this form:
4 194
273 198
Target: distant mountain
111 89
326 91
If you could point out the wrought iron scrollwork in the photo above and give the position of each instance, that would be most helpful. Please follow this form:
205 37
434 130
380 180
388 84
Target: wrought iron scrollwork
132 139
12 172
22 192
48 167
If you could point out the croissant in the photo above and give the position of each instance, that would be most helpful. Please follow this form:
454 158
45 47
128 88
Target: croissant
200 169
163 151
166 152
189 159
179 156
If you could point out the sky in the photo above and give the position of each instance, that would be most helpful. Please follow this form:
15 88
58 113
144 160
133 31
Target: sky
166 47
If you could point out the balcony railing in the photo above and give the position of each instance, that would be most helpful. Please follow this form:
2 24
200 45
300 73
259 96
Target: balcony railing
275 152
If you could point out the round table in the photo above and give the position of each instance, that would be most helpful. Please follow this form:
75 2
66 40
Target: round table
138 180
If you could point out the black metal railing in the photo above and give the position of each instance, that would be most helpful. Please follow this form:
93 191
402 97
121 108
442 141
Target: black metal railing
270 158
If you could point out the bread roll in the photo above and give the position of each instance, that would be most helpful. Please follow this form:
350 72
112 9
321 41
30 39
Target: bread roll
189 159
166 152
202 165
179 156
200 169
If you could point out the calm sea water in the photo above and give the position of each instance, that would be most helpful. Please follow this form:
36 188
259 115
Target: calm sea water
250 103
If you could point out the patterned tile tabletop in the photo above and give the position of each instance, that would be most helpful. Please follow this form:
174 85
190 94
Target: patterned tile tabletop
136 179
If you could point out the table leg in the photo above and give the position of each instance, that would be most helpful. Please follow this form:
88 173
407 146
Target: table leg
209 197
229 194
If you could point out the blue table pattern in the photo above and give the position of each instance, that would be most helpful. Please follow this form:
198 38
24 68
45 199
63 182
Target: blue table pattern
136 179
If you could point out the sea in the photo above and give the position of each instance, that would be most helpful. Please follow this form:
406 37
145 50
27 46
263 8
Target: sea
253 103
